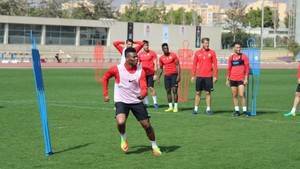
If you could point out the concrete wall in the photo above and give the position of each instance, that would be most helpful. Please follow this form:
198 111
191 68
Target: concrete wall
117 31
176 35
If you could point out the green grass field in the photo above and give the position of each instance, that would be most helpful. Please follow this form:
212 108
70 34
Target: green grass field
84 133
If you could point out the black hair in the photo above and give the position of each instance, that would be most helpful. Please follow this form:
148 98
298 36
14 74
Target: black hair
164 44
129 40
146 42
204 39
236 43
129 50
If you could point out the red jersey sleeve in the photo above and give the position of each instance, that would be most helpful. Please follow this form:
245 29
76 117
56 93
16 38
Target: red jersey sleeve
247 66
143 84
113 71
229 66
215 65
195 62
161 64
139 45
118 45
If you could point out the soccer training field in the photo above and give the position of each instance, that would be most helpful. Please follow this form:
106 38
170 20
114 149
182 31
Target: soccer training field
84 133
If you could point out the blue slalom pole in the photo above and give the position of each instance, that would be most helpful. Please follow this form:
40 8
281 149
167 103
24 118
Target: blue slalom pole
41 98
254 58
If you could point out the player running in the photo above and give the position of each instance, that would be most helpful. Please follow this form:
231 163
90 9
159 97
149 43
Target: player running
129 91
237 78
205 71
120 46
169 64
296 99
148 59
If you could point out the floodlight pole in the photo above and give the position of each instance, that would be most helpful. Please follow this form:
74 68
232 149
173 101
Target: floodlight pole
262 25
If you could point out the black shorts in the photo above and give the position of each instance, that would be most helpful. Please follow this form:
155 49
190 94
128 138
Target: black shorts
150 81
171 81
139 110
204 83
298 88
234 83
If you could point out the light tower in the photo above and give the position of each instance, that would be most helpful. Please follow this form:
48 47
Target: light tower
292 18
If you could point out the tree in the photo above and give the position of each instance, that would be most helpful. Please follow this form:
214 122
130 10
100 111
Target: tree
102 9
235 16
253 18
132 13
157 14
13 7
287 21
293 47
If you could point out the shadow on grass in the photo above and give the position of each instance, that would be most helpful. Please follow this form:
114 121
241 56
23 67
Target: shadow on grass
262 112
73 148
142 149
160 106
1 107
186 108
223 111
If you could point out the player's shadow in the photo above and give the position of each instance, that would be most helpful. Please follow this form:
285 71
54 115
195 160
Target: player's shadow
163 106
223 111
1 107
73 148
142 149
186 108
263 112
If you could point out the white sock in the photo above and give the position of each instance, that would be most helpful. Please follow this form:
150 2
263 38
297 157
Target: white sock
293 110
123 136
196 108
171 105
236 108
146 101
153 144
154 99
244 108
175 105
207 108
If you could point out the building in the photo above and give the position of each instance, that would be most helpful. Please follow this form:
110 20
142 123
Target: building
210 14
78 38
76 4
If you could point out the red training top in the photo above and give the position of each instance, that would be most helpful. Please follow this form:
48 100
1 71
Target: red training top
169 63
120 46
113 71
238 67
205 63
147 60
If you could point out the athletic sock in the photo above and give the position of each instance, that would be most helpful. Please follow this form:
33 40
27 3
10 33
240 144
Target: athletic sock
175 105
236 108
293 110
123 137
171 105
207 108
153 144
146 101
244 108
154 99
196 108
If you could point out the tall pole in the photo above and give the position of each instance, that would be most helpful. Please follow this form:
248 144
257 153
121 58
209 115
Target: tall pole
262 25
275 21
